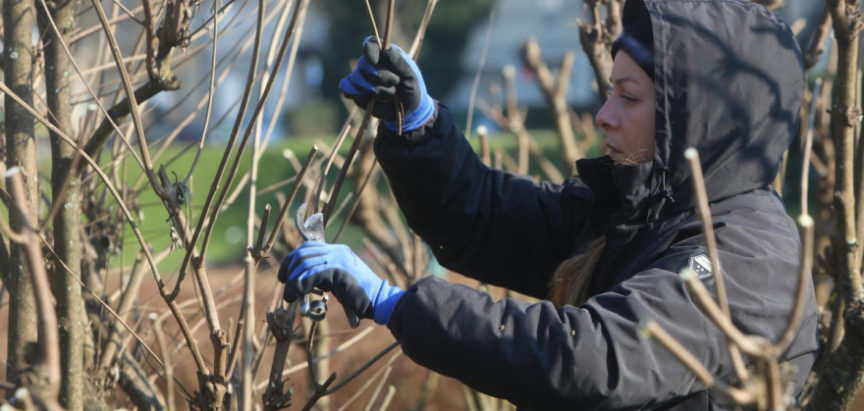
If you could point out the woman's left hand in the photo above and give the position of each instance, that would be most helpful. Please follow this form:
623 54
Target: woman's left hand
334 267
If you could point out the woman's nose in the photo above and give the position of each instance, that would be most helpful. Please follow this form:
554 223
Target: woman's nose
605 118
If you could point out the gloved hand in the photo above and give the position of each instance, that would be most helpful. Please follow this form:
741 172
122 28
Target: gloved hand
334 267
385 75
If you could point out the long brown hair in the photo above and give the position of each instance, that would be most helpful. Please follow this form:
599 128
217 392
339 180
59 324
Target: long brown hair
572 278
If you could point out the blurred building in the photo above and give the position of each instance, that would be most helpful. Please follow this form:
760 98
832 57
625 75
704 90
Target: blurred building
554 23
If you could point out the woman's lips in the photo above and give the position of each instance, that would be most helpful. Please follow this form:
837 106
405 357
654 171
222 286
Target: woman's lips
613 153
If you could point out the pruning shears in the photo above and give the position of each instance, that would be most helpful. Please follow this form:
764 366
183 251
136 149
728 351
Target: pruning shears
312 229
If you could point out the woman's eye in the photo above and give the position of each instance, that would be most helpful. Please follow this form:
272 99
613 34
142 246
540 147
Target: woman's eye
627 97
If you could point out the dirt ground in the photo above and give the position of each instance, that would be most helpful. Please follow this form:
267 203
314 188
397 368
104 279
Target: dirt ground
406 377
410 381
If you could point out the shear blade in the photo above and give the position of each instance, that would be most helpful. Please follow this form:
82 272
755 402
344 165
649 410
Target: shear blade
312 228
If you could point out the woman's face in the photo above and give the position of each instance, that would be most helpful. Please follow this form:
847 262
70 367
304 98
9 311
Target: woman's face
628 114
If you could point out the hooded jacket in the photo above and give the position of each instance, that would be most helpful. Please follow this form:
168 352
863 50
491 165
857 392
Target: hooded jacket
729 82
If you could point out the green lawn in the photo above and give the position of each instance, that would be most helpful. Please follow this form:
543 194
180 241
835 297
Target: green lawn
229 232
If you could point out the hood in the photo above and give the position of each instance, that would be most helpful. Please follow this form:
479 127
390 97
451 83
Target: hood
729 81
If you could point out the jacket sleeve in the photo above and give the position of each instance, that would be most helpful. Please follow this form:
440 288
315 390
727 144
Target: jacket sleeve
497 227
541 357
593 356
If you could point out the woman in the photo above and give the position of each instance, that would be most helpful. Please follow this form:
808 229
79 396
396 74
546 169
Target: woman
724 77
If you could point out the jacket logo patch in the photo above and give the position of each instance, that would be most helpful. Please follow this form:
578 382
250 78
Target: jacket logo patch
701 265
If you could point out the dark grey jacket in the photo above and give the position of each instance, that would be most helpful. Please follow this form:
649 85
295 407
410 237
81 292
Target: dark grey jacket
729 82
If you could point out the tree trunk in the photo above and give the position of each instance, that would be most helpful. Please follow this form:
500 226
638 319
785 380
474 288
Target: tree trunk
133 380
18 20
840 368
839 372
67 221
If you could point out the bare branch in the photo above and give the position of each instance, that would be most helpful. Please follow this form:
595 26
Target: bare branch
391 392
49 341
388 26
283 48
358 140
130 95
814 51
483 133
374 26
414 51
169 367
845 116
217 179
357 200
210 92
770 4
698 183
808 146
378 388
597 42
555 91
281 323
108 354
248 316
713 311
480 64
81 33
653 330
289 70
190 340
283 213
346 128
364 367
806 223
363 388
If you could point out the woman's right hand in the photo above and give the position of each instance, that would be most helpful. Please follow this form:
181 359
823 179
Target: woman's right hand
334 267
393 79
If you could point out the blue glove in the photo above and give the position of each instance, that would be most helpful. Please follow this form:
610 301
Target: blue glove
385 75
334 267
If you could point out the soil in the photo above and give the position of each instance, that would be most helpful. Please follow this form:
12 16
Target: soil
407 378
410 381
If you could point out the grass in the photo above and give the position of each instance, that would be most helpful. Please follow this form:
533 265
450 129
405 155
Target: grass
229 233
228 242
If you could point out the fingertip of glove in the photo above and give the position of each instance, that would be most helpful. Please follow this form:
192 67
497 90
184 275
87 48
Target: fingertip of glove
392 54
289 297
294 289
283 269
371 50
395 47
